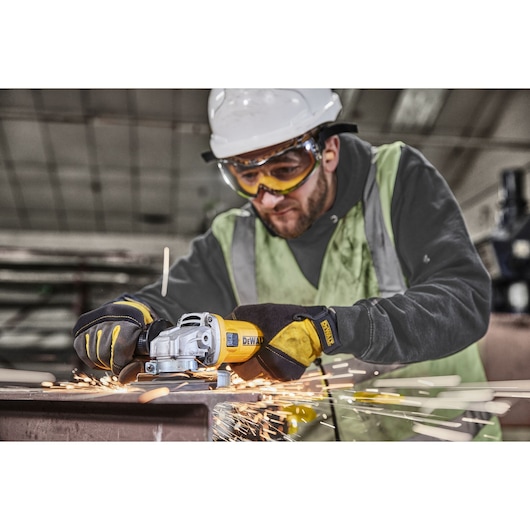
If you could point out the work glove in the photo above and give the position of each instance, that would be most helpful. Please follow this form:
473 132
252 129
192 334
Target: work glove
107 337
293 337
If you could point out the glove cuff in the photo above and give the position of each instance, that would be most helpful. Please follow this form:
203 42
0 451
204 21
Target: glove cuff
148 318
113 312
325 323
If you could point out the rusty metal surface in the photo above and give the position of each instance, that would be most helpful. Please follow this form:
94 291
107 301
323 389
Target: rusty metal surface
77 415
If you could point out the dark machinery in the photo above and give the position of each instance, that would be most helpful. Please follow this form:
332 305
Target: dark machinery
508 250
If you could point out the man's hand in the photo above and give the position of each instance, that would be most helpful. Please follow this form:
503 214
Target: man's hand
294 336
106 338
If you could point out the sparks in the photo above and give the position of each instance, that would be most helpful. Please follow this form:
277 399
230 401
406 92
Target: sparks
286 409
81 381
236 421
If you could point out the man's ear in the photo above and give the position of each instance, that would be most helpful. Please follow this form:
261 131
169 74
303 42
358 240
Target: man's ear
330 154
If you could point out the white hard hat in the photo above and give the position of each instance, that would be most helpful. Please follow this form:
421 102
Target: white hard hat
246 119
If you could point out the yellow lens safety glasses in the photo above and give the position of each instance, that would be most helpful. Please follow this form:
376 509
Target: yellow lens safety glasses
280 171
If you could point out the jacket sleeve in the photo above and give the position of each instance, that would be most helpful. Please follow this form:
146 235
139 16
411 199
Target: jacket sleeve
197 282
446 306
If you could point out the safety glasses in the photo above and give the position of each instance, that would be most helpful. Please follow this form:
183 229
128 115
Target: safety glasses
280 172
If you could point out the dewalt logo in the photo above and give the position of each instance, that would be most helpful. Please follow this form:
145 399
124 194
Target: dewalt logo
328 334
252 341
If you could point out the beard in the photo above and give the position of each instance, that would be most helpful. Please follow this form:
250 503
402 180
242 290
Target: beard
306 216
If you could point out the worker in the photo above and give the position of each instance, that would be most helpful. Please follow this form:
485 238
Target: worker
343 250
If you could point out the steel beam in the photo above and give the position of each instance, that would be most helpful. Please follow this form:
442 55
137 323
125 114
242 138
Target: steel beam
78 415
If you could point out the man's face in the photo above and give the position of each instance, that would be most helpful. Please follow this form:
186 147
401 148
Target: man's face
291 215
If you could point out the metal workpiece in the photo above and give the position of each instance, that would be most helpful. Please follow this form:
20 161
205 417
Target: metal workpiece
157 414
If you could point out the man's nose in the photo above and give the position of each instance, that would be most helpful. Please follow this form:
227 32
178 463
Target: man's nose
268 199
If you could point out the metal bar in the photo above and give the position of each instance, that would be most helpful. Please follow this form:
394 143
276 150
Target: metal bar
449 141
93 164
13 180
51 162
40 415
497 102
176 150
187 128
134 149
349 98
83 243
36 277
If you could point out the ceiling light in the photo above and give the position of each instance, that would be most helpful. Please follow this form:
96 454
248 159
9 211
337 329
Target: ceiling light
417 108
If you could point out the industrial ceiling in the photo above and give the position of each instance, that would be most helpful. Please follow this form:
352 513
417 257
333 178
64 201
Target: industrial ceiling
95 182
128 161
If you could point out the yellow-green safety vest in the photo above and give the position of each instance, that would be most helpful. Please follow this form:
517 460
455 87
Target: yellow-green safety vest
360 262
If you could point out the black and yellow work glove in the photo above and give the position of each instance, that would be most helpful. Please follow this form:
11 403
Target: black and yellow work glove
294 336
106 338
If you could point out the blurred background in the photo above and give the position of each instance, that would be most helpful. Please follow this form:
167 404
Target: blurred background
97 182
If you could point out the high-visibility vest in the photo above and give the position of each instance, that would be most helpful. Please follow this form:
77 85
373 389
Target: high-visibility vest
360 262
